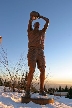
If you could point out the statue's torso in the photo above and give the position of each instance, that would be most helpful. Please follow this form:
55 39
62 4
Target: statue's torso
36 39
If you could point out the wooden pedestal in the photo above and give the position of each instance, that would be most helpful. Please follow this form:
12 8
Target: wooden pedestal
40 101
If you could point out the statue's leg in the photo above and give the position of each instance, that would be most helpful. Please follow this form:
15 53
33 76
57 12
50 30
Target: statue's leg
32 64
42 78
41 66
29 78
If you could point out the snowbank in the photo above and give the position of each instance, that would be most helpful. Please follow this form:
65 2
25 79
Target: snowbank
13 100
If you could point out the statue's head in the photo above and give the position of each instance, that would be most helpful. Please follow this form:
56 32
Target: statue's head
36 25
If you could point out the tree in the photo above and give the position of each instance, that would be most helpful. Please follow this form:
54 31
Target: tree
70 92
56 89
59 89
66 89
1 83
45 89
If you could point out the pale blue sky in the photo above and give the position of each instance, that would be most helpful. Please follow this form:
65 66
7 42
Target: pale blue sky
14 16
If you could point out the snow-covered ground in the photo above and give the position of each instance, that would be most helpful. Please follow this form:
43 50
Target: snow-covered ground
13 100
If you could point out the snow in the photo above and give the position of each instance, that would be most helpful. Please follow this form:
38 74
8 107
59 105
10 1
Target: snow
39 96
13 100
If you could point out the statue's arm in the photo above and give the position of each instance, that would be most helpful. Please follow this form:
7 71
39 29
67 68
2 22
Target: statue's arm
30 25
46 24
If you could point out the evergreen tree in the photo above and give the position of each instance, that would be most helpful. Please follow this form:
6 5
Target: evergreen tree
1 82
56 89
70 93
45 89
59 89
62 89
66 88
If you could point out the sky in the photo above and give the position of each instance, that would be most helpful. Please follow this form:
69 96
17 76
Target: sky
14 17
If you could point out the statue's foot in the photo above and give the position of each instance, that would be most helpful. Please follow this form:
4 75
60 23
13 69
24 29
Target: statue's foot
43 93
27 94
